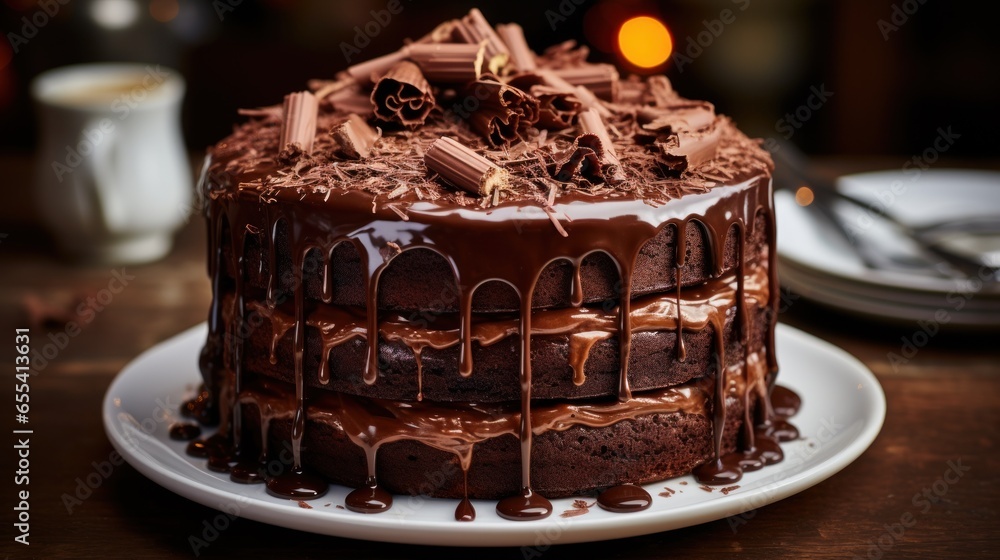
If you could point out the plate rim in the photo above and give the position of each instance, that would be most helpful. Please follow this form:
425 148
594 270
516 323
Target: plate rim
508 533
887 280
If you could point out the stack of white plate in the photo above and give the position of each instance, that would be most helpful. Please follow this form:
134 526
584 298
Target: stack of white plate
818 263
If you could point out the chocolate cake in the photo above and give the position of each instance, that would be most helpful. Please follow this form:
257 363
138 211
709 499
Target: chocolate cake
499 219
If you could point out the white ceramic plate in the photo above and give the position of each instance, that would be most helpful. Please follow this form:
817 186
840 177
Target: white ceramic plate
818 263
842 412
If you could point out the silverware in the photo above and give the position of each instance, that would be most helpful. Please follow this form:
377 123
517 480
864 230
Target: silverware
792 172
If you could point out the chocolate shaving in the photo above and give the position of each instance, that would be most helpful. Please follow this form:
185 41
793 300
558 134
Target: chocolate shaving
449 63
298 123
390 250
354 138
272 112
474 28
601 79
521 56
323 88
464 168
687 115
369 71
504 112
660 92
685 150
44 314
557 106
350 100
586 97
591 123
631 91
564 55
403 95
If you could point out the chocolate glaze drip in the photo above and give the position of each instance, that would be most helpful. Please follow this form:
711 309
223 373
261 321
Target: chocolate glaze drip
624 498
318 204
527 506
465 511
369 498
297 485
248 472
689 310
716 211
184 431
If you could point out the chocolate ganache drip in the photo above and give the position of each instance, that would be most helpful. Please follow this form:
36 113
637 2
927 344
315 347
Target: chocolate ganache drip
501 191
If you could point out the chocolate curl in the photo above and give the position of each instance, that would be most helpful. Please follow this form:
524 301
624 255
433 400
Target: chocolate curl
369 71
521 56
686 150
464 168
350 100
440 34
452 63
688 116
402 95
504 113
474 28
298 122
354 138
324 88
660 92
585 158
557 107
586 97
631 92
611 167
602 79
565 55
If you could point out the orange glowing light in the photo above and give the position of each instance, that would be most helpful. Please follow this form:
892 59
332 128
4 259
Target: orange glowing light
645 42
164 11
804 196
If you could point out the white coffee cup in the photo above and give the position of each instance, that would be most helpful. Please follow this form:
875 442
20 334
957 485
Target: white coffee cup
113 181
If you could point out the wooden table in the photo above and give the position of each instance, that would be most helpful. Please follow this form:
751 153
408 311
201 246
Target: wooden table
942 411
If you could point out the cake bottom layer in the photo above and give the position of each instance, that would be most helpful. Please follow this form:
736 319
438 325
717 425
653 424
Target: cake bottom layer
420 449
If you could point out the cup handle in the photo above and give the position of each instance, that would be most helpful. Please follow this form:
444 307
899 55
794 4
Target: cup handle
112 208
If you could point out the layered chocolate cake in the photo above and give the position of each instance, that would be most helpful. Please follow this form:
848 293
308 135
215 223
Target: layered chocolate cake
466 270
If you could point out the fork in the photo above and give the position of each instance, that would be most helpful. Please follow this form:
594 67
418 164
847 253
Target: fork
792 171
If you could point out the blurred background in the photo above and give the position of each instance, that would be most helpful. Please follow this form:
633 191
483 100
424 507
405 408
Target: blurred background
855 78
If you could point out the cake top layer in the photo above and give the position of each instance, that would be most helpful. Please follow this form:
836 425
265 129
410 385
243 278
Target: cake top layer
463 118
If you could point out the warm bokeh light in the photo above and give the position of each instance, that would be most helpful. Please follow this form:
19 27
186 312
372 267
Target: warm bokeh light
645 42
804 196
114 14
164 10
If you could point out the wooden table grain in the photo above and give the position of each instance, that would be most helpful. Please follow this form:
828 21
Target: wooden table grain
942 417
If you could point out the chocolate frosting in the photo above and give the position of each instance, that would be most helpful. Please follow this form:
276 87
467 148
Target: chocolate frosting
388 203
